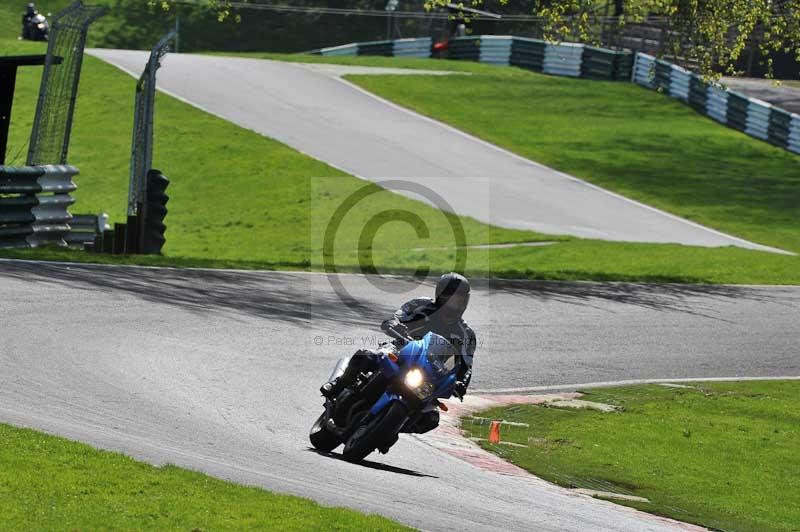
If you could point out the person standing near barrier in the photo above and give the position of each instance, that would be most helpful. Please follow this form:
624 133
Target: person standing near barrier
27 21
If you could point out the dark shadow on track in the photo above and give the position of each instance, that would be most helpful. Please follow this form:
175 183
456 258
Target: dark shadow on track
271 295
303 299
373 465
666 297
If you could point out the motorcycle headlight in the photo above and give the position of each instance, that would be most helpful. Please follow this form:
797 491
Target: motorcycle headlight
414 378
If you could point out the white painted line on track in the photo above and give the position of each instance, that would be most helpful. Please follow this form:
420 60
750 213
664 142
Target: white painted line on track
632 382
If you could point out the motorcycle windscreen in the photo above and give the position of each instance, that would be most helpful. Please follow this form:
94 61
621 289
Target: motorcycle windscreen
441 355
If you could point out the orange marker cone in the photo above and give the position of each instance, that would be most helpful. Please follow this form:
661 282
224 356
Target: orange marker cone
494 432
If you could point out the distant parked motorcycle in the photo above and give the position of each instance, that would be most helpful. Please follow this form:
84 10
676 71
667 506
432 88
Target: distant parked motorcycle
380 404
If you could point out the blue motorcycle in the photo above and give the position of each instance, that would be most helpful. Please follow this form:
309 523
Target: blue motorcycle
405 385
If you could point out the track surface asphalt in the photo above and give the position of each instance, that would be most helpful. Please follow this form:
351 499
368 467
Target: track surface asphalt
313 110
218 371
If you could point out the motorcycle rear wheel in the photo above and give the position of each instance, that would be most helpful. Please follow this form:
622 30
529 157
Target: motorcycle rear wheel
380 430
321 438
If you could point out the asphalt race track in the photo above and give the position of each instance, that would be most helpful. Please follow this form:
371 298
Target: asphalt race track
219 370
316 112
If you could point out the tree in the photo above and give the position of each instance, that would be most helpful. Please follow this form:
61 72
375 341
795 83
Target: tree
711 35
221 7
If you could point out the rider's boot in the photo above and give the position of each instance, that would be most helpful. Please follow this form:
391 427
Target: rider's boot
358 362
331 388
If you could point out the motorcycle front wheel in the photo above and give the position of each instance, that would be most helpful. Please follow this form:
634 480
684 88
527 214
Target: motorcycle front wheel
381 429
321 438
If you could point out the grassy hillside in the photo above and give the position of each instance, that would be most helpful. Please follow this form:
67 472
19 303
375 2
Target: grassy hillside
242 200
624 138
49 483
715 454
236 194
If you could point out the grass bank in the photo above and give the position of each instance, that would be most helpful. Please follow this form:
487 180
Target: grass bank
240 200
49 483
714 454
624 138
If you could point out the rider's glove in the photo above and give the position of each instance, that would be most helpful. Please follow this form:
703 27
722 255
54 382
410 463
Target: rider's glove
402 331
460 390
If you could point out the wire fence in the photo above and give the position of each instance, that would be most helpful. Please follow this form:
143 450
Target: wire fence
52 124
144 110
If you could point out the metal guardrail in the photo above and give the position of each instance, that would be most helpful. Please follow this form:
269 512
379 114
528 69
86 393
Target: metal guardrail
794 134
413 47
33 204
561 59
754 117
343 50
751 116
495 50
84 228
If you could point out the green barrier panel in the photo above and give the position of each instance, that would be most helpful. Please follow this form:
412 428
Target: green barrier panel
598 63
384 48
737 111
698 93
663 76
780 123
623 66
528 53
468 48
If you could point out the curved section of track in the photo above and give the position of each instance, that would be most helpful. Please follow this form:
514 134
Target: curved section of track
315 111
218 371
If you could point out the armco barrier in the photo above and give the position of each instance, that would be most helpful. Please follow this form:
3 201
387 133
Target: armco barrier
602 64
780 123
33 204
465 48
384 48
663 76
527 53
717 103
413 47
623 65
561 59
84 228
754 117
679 83
644 70
343 50
495 50
698 94
737 110
794 134
757 121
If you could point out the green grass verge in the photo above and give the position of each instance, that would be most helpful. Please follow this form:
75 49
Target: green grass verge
49 483
623 137
236 194
290 198
717 454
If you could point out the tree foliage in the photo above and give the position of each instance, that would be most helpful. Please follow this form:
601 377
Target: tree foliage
709 34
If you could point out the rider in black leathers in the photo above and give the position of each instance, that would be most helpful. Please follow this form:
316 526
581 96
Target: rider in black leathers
414 319
27 17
